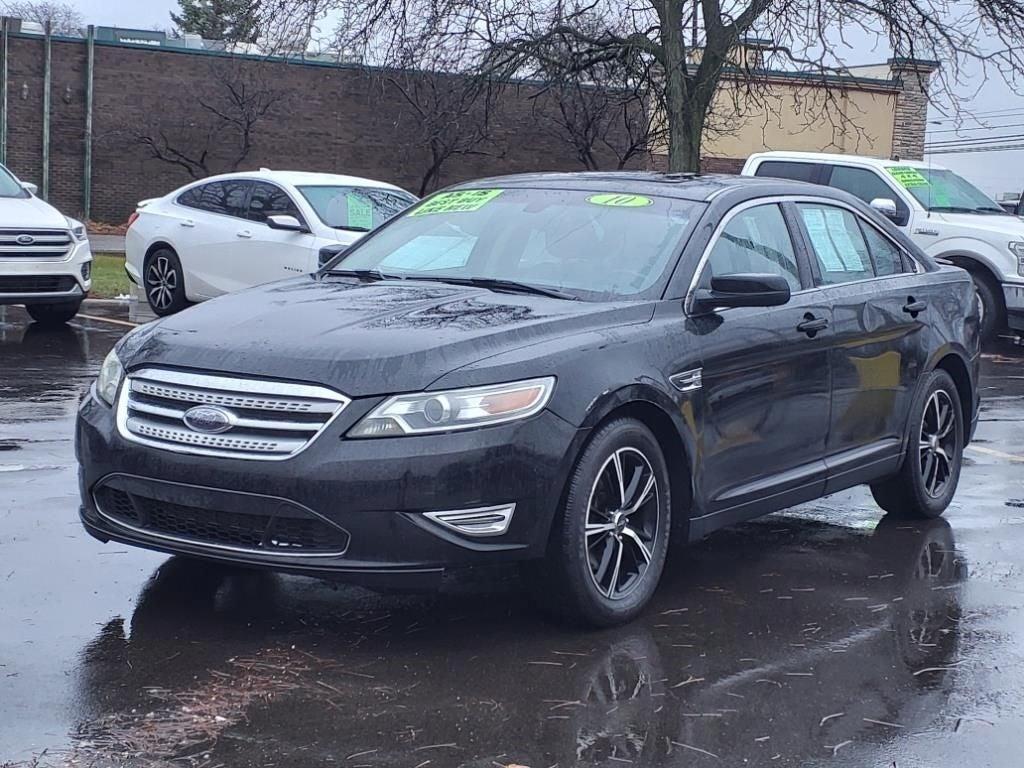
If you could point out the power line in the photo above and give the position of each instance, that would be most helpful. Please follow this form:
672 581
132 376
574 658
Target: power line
977 114
975 142
971 150
979 128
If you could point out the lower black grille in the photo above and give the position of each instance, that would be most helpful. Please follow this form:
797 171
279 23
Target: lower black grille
36 283
254 531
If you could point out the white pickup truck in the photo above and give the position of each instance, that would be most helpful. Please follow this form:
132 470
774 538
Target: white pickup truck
942 212
45 261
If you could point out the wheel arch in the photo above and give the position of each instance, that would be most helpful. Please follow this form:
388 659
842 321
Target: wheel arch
155 246
958 370
671 426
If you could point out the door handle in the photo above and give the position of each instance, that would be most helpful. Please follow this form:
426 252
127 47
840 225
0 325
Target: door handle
811 324
244 233
913 307
187 223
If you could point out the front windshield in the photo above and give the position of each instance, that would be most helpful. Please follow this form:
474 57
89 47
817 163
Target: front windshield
942 190
358 209
590 246
9 186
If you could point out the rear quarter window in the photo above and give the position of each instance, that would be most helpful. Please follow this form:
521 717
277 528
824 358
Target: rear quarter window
785 169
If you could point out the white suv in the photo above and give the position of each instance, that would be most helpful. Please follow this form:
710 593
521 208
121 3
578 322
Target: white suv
45 261
942 212
237 230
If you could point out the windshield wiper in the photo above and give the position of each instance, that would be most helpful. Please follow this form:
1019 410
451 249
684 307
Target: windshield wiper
991 209
368 275
350 229
498 284
952 209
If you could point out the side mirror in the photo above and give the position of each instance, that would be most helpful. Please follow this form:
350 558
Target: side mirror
887 207
286 223
328 252
743 290
29 187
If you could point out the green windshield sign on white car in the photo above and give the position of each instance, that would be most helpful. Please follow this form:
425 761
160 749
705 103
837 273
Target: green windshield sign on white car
941 211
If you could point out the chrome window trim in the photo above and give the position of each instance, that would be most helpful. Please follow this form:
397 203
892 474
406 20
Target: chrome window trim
227 384
779 200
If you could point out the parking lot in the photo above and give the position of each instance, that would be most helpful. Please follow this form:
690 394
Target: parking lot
817 636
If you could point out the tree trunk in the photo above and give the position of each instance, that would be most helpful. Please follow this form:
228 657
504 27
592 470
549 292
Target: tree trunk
685 123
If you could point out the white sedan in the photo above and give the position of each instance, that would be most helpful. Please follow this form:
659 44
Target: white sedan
237 230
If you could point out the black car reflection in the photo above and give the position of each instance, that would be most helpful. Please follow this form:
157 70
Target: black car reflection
766 630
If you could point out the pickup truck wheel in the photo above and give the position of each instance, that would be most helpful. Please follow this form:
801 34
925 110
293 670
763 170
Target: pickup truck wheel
608 544
926 482
990 297
164 282
52 315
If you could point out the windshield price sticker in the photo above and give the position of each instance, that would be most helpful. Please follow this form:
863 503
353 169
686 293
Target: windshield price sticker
462 201
620 201
908 177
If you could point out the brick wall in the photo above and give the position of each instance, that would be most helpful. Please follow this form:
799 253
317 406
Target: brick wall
330 119
911 114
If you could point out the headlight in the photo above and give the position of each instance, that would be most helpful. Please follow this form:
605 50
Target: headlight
1017 249
77 230
428 412
109 379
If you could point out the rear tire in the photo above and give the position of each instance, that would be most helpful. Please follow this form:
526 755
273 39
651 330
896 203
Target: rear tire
53 315
990 297
608 544
926 482
163 280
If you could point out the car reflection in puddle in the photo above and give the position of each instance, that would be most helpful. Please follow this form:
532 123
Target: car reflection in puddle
785 639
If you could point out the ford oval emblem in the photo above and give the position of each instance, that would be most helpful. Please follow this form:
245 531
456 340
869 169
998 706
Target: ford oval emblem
25 240
208 419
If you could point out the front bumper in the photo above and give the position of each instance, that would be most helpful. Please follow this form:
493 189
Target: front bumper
1013 297
68 267
375 490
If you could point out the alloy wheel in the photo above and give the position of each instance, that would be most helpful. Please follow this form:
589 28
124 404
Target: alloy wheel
622 523
161 282
937 445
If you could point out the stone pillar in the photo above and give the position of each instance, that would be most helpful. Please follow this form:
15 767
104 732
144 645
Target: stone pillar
911 114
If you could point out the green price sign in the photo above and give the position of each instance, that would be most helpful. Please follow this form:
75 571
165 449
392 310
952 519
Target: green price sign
620 201
908 177
456 202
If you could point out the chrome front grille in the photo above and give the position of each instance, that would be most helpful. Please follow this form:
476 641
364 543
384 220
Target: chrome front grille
37 244
253 419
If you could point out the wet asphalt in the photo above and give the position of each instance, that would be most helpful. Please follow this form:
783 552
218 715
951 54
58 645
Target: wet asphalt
825 635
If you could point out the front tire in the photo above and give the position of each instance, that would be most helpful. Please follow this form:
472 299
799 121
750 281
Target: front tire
53 315
926 482
990 297
164 282
608 545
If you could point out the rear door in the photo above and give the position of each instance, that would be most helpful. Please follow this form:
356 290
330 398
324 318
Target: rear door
209 256
879 315
765 376
266 254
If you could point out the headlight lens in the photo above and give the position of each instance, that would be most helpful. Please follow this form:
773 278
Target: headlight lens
77 230
1017 249
110 377
428 412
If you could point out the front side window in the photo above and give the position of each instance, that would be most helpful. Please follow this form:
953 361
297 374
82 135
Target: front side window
866 185
358 209
227 198
943 191
755 240
593 246
270 200
837 243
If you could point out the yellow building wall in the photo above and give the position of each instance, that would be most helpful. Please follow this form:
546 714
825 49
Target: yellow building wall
801 118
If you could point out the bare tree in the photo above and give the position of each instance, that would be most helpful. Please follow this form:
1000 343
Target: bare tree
64 18
215 133
690 49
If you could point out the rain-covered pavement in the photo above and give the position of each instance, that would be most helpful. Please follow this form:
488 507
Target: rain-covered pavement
816 637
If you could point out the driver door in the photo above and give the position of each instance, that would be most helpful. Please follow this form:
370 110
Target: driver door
766 376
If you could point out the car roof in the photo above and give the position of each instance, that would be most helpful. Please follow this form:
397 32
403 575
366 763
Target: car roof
826 157
303 177
684 186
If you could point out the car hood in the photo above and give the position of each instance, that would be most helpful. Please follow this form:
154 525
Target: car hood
362 339
1009 226
30 213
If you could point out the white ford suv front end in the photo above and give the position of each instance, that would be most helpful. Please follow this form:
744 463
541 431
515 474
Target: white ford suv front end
45 260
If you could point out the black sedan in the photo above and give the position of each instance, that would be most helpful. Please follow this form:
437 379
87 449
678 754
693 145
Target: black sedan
566 370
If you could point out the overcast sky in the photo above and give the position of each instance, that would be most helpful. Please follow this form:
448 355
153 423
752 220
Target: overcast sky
998 109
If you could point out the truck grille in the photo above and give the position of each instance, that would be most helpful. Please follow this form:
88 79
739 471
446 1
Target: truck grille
37 284
288 529
221 416
37 244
